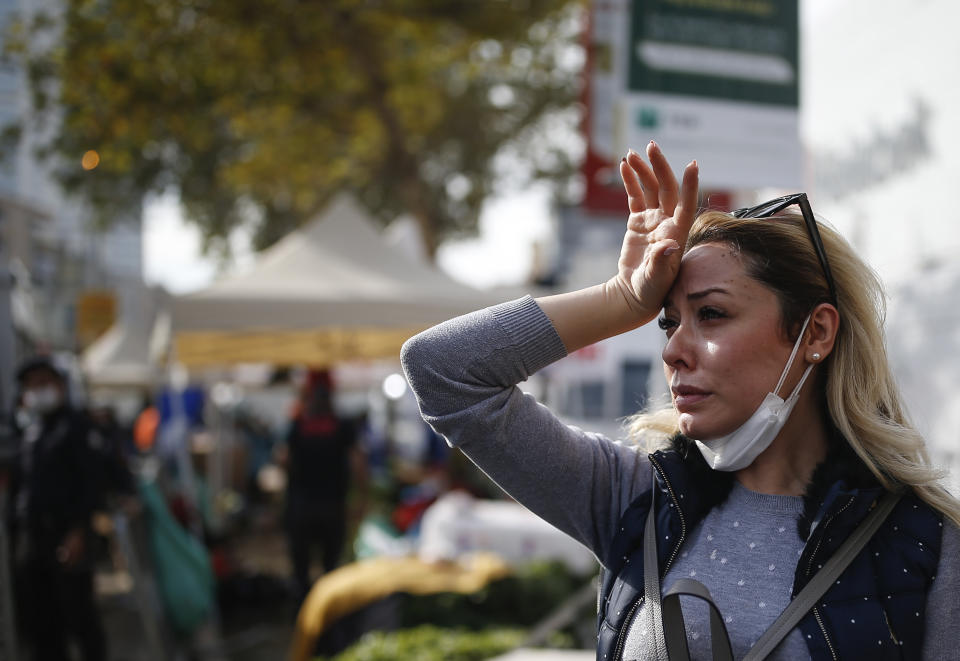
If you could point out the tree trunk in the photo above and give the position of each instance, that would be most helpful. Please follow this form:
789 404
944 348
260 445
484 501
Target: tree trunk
400 158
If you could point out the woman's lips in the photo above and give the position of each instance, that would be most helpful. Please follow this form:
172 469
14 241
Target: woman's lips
685 397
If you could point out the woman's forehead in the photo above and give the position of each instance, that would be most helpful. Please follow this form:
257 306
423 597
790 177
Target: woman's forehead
708 262
712 268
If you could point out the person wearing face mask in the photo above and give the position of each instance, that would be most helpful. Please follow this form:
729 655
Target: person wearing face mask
784 467
53 496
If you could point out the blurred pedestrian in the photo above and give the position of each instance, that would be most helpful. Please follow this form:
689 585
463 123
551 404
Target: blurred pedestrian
110 445
786 433
321 456
53 496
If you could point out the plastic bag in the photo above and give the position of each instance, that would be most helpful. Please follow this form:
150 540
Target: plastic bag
182 567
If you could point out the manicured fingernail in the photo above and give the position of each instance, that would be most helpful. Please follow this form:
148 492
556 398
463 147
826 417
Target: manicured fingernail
670 251
694 163
623 160
630 151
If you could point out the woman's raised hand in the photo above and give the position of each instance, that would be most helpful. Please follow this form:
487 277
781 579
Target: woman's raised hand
660 218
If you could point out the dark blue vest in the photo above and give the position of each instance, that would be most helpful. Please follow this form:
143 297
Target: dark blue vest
876 609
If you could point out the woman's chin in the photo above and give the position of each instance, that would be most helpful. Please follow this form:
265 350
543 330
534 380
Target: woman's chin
692 426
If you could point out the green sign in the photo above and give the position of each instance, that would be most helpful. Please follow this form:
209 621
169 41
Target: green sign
740 50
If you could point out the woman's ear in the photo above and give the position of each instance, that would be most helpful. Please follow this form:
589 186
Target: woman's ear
821 332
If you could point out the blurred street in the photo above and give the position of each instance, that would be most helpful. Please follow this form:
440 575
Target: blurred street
258 629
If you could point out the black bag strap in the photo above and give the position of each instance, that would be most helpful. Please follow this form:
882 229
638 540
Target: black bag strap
651 579
676 630
668 625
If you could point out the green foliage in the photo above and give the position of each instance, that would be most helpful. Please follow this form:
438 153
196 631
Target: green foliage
481 625
429 643
259 111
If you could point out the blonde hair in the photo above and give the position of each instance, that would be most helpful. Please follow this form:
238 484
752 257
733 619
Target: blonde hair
859 389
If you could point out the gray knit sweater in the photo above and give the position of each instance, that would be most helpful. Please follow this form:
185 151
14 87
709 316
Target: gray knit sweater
465 372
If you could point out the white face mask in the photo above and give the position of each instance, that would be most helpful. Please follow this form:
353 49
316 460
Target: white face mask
41 400
740 447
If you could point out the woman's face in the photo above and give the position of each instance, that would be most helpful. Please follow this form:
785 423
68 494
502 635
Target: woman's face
725 349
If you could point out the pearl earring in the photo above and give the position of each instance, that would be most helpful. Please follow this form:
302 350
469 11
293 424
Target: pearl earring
816 356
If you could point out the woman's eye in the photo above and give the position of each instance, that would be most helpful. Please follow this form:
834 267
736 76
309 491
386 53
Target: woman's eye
709 313
666 324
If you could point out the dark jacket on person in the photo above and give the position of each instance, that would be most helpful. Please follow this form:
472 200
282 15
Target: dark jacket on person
884 589
319 464
54 488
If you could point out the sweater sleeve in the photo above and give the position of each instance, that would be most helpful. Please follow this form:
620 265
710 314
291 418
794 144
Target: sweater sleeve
465 372
942 637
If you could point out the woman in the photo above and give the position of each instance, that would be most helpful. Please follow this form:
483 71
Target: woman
321 457
777 369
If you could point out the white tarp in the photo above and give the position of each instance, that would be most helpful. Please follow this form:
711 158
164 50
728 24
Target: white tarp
457 524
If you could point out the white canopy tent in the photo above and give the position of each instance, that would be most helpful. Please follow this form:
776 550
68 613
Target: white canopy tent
333 290
119 359
128 355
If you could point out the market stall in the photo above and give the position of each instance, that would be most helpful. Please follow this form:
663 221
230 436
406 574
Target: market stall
331 291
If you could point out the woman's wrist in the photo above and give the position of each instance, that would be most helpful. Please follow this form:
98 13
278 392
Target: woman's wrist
636 313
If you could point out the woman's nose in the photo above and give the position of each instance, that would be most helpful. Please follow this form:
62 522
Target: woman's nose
678 351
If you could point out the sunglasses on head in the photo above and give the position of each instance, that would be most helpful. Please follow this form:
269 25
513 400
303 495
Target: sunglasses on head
775 206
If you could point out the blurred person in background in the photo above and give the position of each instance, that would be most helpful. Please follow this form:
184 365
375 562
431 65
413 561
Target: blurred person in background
753 484
321 455
111 449
54 493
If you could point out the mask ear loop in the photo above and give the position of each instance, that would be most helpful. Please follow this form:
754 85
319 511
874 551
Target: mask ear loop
786 370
